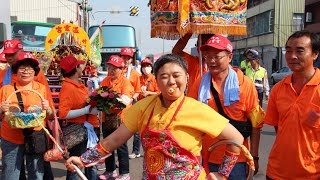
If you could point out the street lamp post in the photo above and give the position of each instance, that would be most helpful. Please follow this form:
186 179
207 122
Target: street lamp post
85 9
279 46
134 11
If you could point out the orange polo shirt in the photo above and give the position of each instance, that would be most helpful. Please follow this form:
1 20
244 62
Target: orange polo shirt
240 110
73 95
41 78
135 80
150 83
14 135
295 153
121 85
193 68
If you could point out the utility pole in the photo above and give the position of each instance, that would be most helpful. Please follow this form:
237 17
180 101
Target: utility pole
85 14
279 46
85 9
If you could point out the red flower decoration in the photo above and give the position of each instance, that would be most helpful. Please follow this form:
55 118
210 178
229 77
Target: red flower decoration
93 103
111 95
106 100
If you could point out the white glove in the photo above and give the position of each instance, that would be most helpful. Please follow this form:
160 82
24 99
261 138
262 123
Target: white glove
94 111
80 112
125 100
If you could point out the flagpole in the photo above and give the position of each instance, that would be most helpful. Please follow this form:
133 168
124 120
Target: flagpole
97 31
200 55
96 58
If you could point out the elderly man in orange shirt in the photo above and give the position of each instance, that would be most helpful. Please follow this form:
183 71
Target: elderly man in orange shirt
119 83
3 61
294 111
192 61
234 96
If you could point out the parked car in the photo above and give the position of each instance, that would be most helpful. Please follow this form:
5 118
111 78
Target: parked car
280 74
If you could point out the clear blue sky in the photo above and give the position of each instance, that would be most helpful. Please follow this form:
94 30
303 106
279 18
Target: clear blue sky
141 23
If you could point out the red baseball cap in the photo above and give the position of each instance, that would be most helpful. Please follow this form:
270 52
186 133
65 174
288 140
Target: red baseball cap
127 52
3 58
12 46
218 42
70 62
27 55
117 61
146 61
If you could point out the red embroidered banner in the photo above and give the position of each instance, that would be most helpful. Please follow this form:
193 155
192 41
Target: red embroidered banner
171 19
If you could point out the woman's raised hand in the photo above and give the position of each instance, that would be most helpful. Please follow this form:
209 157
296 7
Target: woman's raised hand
45 104
5 106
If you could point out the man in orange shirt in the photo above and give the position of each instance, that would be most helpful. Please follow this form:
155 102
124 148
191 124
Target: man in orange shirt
3 61
119 83
127 55
192 61
234 96
294 111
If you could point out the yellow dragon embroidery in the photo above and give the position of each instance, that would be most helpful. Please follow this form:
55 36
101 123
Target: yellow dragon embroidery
154 5
208 4
232 4
228 4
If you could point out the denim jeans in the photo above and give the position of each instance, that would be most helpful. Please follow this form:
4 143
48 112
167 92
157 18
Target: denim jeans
238 172
90 172
48 175
122 152
13 158
136 144
260 97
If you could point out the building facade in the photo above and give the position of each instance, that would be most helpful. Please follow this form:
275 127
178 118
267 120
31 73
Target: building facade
4 22
46 11
312 15
269 24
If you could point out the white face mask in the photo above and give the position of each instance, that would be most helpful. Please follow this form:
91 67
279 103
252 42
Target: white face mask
147 70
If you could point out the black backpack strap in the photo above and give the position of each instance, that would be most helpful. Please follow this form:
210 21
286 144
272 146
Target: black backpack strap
245 128
20 102
26 131
217 100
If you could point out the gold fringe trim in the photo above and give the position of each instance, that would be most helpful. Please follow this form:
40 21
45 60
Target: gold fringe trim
165 32
183 31
219 29
173 33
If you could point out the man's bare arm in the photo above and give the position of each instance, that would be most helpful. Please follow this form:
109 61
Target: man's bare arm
181 44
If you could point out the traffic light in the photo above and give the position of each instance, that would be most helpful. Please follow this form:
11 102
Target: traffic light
134 11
